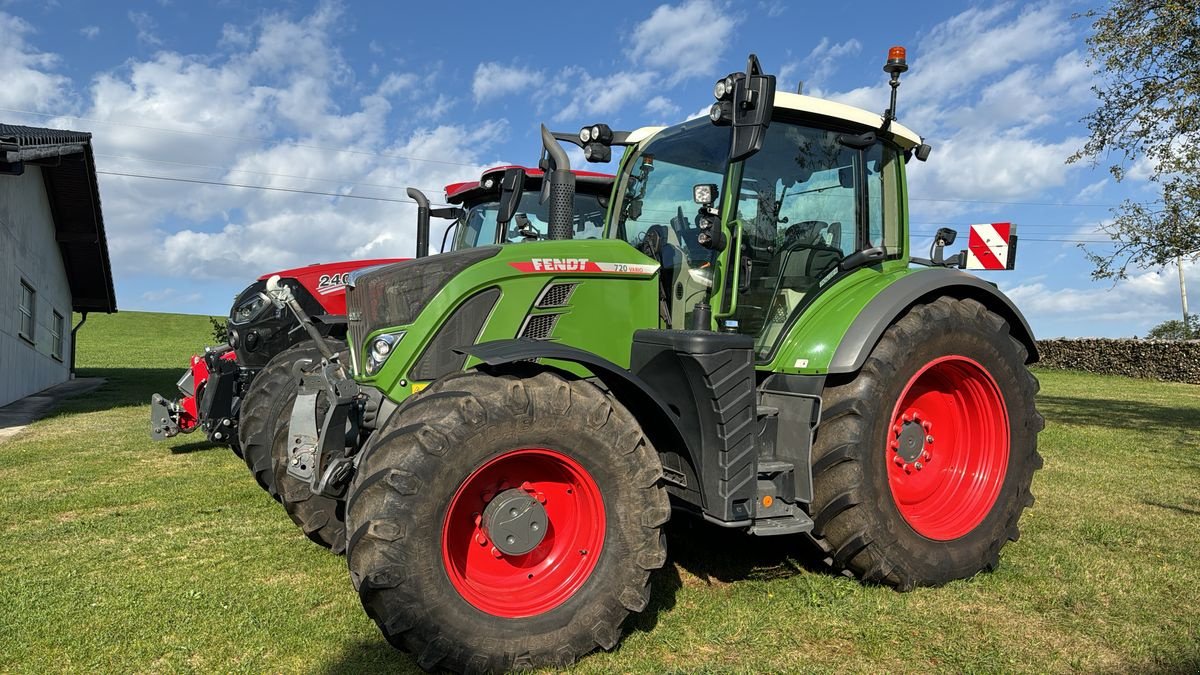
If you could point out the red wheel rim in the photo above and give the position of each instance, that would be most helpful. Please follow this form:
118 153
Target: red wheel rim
947 448
514 586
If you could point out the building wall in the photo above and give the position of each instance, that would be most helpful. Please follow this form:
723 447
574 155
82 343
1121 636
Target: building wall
28 251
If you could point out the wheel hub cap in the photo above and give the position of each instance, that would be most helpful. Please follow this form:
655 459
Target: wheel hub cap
515 522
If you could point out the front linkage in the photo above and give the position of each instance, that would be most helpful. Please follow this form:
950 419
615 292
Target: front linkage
319 458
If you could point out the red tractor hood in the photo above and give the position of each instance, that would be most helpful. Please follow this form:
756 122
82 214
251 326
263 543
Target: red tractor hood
327 281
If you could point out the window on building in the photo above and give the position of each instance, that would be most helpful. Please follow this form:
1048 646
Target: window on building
27 308
56 333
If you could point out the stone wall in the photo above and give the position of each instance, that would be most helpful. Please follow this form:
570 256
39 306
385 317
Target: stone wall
1174 361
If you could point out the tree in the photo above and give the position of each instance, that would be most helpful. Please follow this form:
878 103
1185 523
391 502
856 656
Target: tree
1148 117
1176 330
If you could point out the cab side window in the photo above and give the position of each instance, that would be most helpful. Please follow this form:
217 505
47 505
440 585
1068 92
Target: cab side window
807 201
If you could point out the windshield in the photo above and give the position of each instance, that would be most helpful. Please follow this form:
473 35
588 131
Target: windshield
478 226
655 194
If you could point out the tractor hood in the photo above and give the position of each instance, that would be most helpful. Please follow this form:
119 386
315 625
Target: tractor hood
395 294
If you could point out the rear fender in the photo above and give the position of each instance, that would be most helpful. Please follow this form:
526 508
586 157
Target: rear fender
890 304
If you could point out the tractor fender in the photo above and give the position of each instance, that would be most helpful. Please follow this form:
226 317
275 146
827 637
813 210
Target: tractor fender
652 412
892 302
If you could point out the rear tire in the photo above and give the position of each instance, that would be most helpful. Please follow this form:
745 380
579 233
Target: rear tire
923 460
414 551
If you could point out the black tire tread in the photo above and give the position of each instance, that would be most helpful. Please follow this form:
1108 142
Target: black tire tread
396 466
844 531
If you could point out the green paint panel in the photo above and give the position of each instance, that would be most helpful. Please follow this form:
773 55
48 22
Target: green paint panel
811 342
617 294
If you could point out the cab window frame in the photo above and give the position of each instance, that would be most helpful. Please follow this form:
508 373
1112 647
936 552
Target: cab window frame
892 229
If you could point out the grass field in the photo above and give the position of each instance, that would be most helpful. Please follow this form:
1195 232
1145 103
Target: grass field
122 554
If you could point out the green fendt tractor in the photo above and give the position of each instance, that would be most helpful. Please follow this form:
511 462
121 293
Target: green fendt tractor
748 342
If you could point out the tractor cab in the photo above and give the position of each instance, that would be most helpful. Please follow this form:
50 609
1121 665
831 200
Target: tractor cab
483 220
760 238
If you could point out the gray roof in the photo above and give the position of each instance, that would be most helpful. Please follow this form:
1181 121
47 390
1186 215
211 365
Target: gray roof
31 136
69 174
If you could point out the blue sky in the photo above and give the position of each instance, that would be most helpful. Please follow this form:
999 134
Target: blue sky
361 98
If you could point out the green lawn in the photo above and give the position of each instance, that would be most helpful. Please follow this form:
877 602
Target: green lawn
118 553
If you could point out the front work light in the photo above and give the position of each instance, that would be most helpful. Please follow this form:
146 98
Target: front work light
721 113
704 194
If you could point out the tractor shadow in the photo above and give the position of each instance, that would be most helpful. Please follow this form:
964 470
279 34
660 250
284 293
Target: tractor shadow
714 556
1120 414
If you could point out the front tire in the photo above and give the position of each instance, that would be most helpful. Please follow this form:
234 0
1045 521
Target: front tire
923 460
429 557
266 414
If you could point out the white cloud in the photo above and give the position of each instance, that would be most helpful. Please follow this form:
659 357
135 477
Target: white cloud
823 60
90 32
683 40
602 96
253 107
145 26
1131 307
493 80
662 107
30 82
1092 191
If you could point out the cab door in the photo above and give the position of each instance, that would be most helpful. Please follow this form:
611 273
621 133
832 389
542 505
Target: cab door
809 199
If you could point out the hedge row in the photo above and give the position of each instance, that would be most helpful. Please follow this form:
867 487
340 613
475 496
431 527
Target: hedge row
1170 360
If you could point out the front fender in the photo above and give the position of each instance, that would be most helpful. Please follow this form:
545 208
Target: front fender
654 414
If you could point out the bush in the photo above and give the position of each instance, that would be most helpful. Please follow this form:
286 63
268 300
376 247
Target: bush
219 331
1187 329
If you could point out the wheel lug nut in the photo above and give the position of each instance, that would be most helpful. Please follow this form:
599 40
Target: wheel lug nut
926 456
927 425
899 461
480 539
918 466
929 439
496 553
907 468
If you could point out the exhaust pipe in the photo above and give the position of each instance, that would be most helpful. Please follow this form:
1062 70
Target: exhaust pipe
561 184
422 221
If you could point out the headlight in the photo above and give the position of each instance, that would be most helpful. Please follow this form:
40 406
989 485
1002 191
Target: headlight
380 348
250 309
585 134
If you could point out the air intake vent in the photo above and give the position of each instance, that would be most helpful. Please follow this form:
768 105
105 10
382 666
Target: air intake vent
539 326
555 295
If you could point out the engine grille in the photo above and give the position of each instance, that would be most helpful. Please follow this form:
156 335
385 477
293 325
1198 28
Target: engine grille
538 326
555 295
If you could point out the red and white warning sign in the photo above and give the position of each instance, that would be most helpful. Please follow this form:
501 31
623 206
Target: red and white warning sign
989 247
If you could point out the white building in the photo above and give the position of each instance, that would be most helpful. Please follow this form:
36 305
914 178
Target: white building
53 254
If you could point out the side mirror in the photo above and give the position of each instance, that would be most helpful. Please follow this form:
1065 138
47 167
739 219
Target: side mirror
753 103
512 187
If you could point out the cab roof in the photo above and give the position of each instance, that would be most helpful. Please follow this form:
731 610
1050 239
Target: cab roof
457 193
905 137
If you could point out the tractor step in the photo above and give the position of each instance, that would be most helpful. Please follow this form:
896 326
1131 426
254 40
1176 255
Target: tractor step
797 522
771 467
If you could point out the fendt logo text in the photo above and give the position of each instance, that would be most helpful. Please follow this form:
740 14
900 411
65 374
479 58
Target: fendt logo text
559 264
